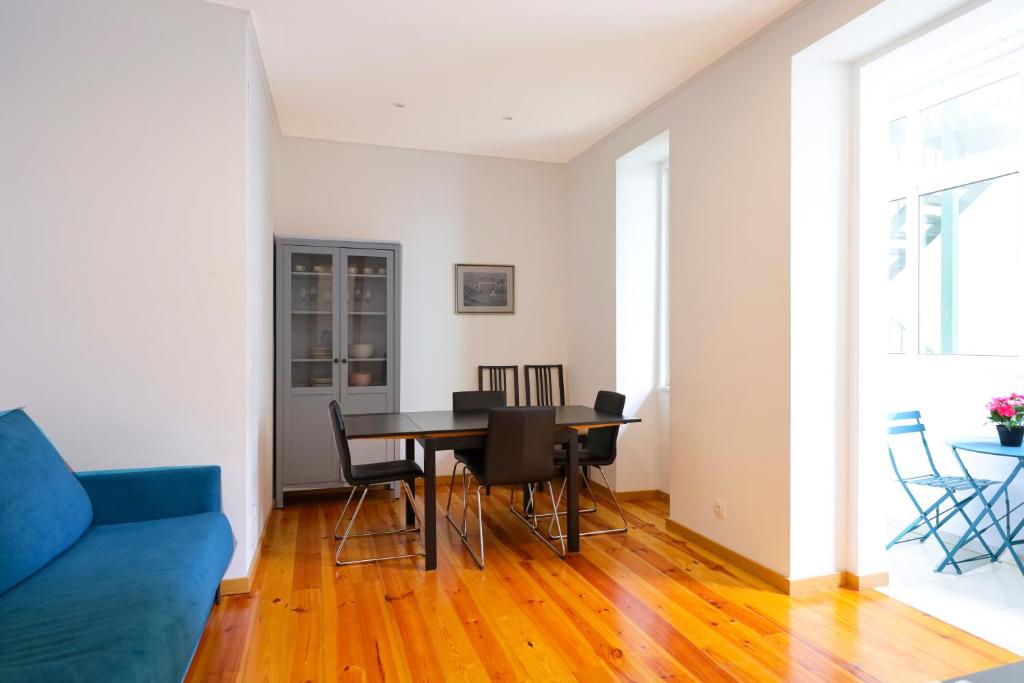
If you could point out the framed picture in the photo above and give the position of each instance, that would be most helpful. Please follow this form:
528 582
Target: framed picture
485 289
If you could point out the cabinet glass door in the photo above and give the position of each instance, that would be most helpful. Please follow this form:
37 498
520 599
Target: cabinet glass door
312 344
368 305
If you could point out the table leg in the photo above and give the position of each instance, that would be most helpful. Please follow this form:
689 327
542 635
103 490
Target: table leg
572 501
429 495
1008 544
410 454
986 509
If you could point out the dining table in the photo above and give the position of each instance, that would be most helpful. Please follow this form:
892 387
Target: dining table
1008 536
446 430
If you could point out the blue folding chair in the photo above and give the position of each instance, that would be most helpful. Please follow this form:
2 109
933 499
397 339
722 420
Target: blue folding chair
949 485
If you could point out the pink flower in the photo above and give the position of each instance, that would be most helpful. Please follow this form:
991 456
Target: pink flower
1007 410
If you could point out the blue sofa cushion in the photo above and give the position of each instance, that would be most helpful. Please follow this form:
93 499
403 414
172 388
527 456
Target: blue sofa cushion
43 508
127 602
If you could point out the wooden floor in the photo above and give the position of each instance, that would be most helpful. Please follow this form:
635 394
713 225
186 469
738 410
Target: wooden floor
638 606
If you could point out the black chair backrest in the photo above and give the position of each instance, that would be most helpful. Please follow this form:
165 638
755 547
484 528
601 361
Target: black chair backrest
498 380
520 446
602 441
465 401
341 441
543 391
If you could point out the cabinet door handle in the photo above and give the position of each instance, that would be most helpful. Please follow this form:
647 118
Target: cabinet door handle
343 360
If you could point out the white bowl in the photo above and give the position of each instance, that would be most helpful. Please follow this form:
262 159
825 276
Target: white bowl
361 351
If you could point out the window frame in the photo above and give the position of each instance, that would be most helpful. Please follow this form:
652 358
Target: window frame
911 180
663 352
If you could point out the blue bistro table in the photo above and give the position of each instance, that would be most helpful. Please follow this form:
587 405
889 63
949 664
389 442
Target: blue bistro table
974 529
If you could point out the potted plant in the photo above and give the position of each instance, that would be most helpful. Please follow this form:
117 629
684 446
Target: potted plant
1008 415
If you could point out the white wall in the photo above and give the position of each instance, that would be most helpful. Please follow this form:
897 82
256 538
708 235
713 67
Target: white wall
819 314
730 322
444 209
260 134
123 257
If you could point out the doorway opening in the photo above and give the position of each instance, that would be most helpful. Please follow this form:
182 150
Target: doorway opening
942 138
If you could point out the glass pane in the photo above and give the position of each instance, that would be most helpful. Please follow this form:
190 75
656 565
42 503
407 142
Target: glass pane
968 268
901 289
367 320
897 143
312 321
973 123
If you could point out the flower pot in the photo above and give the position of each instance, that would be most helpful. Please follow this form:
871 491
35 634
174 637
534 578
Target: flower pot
1010 437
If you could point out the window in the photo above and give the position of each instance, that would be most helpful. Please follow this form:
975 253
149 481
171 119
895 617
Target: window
972 124
954 223
902 288
663 279
968 258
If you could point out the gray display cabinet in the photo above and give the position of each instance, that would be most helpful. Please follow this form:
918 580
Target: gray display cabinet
337 332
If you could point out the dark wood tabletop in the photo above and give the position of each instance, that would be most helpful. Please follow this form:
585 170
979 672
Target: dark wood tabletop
421 424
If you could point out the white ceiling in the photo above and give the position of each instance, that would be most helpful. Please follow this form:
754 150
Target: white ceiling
567 71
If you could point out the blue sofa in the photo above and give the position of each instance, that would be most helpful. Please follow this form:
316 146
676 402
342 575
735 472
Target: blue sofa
104 576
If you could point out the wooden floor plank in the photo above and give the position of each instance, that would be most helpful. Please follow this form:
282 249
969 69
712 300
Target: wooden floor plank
639 606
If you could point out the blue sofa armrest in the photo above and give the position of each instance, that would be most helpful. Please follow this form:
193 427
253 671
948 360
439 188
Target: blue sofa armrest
138 495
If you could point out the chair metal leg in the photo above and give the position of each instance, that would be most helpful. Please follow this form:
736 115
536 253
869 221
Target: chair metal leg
558 523
590 492
387 532
451 488
464 534
415 508
348 529
529 508
532 522
615 499
465 504
918 523
598 532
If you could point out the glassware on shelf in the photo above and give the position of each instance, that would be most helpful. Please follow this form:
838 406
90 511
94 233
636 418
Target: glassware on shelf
312 343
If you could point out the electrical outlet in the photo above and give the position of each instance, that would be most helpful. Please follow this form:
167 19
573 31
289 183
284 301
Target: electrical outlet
719 508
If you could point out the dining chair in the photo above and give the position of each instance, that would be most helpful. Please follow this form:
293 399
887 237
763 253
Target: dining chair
908 423
499 378
469 401
362 477
597 452
518 452
543 389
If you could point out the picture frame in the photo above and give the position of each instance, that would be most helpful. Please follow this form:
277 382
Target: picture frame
485 288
